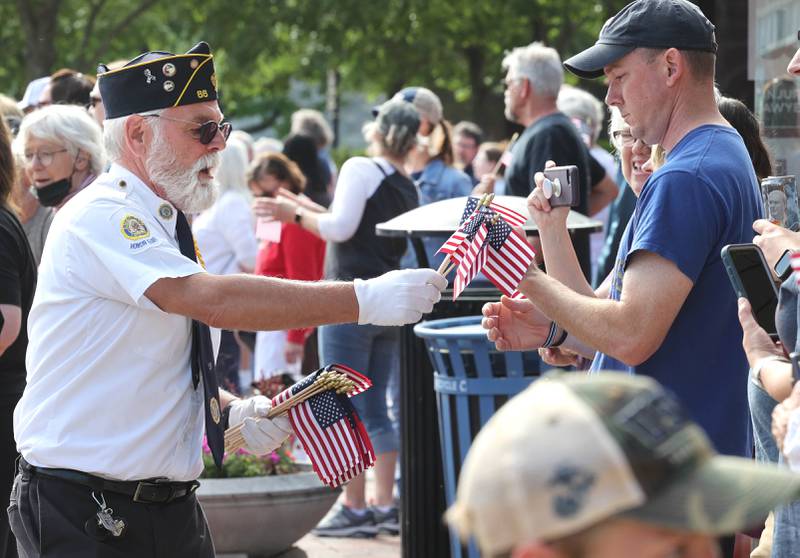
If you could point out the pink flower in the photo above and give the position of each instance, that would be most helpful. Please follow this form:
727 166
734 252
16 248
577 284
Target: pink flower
274 457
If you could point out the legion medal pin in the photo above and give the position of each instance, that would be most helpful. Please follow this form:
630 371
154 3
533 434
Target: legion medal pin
193 64
148 75
168 69
165 211
214 409
169 86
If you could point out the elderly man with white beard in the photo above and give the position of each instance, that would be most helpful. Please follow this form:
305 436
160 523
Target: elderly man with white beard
120 359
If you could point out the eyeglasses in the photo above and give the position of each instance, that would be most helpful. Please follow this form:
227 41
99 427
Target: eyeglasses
205 132
45 157
623 137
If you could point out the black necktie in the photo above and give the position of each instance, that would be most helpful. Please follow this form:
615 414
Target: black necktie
202 357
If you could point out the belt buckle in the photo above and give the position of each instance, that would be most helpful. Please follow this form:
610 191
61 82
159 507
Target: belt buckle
154 484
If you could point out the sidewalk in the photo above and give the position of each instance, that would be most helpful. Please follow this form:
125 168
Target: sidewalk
312 546
383 546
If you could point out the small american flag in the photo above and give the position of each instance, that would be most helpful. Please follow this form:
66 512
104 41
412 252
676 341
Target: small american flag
457 244
458 237
509 257
329 428
472 261
515 218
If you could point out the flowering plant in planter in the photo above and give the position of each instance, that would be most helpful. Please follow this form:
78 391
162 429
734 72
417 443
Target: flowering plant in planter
245 464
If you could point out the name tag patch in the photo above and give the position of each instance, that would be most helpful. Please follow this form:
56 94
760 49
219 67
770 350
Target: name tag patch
142 243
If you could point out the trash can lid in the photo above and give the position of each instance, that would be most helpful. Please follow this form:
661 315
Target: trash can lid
465 327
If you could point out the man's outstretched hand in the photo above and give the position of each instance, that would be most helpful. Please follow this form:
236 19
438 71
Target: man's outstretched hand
515 324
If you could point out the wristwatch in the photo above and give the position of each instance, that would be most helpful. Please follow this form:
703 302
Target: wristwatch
298 215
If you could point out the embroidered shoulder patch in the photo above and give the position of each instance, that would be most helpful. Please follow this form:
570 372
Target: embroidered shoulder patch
133 228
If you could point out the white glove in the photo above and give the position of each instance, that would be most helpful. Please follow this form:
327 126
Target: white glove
398 297
261 435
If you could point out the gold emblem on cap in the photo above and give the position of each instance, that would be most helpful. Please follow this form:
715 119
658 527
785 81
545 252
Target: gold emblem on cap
214 409
193 64
168 69
165 211
169 86
214 81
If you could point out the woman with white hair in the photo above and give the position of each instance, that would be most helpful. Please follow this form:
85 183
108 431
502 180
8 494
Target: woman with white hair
62 149
225 235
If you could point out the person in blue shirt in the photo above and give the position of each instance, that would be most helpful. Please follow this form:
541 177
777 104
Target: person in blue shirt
670 312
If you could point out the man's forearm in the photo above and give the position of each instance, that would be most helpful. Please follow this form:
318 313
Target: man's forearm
258 303
592 323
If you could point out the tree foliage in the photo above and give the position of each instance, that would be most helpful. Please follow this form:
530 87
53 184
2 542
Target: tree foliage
262 46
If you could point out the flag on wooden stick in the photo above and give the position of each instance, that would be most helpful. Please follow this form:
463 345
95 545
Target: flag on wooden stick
325 422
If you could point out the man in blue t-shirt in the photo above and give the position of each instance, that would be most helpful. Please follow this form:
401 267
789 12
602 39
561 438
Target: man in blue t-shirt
669 311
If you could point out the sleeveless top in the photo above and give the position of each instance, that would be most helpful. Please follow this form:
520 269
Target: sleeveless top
366 255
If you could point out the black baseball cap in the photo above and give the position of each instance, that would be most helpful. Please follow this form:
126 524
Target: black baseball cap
645 24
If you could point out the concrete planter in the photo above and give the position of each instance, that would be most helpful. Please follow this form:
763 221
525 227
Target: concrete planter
263 516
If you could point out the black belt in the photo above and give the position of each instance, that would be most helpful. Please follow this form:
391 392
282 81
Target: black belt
149 491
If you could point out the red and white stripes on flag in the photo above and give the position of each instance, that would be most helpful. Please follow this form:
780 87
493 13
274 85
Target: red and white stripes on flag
514 218
795 261
472 260
330 430
508 259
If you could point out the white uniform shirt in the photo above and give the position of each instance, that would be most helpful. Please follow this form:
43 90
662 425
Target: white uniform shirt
226 235
109 382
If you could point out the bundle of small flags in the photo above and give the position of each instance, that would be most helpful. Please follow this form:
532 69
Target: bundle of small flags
485 242
325 422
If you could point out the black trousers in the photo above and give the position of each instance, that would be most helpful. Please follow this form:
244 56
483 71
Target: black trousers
48 518
8 457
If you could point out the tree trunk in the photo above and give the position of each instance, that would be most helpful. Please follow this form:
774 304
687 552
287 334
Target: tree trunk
39 23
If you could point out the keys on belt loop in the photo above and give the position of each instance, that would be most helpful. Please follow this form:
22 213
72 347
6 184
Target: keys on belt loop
104 523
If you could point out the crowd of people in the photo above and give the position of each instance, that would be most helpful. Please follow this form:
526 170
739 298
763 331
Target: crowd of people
154 263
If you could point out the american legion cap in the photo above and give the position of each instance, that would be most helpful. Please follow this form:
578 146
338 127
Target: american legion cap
573 450
645 24
158 80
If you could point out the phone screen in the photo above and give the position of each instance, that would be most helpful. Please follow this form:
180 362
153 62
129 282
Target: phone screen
758 287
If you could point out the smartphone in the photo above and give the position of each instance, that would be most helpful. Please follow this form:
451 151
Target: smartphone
563 189
752 279
783 267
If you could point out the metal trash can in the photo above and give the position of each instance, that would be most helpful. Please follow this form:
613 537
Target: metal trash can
471 380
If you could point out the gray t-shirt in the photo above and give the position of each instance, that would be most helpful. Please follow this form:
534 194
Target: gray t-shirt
36 229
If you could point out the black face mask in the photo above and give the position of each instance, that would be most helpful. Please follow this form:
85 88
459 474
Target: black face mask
54 193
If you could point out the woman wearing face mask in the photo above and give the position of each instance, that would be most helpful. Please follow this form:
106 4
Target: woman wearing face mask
637 161
298 254
62 150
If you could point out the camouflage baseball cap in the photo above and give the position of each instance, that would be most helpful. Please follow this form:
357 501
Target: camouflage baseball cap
573 450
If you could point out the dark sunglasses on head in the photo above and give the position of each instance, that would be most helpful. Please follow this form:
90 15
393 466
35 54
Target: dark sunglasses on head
206 132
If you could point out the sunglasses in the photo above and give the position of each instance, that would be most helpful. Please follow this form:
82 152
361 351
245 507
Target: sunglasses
206 132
